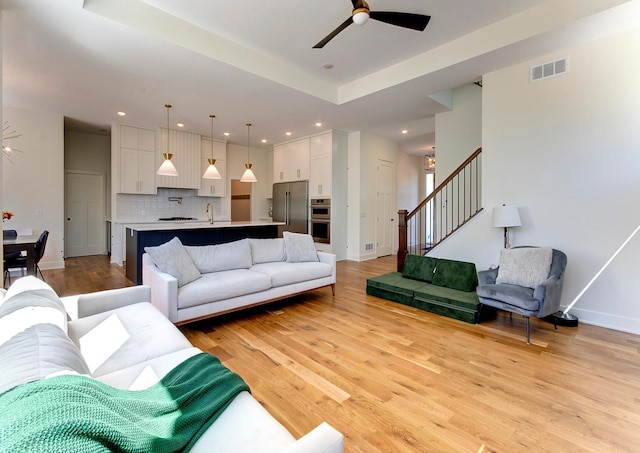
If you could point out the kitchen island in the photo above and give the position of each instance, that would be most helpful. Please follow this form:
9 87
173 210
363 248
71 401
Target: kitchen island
141 235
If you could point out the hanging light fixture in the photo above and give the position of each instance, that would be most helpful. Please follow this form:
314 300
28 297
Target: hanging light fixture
248 175
211 172
167 168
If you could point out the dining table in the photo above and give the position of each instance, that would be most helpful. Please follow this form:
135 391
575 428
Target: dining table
23 244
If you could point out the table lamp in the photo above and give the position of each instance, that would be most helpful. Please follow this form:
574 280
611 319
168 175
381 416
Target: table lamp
505 216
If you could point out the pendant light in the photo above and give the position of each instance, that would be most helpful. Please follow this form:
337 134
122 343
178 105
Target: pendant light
211 172
167 168
248 175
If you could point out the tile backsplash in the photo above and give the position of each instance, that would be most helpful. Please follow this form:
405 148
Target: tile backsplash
149 208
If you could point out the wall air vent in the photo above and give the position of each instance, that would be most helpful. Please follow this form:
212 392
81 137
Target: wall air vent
551 69
368 247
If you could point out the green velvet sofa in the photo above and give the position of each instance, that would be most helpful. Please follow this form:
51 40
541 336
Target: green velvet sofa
441 286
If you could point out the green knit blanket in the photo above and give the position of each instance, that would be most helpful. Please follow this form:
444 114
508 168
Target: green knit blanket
74 413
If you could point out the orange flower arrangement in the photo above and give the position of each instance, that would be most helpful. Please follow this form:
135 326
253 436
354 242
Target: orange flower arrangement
7 215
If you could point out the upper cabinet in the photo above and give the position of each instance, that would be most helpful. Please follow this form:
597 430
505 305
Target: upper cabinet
137 160
213 187
185 147
320 165
291 161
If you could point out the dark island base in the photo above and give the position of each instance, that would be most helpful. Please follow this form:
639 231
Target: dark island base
138 240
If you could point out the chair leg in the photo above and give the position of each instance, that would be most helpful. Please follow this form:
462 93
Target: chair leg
528 331
41 275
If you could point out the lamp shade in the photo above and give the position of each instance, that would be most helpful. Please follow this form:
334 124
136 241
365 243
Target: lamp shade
248 175
505 216
167 168
211 171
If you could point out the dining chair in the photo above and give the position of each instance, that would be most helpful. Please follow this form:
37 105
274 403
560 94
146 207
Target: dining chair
20 262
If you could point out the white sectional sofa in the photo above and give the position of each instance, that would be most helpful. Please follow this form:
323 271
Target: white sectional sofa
194 282
50 346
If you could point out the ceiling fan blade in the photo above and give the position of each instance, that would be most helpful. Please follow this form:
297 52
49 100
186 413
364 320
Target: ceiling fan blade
333 34
406 20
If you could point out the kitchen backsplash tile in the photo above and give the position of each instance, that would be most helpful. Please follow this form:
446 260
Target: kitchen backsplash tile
149 208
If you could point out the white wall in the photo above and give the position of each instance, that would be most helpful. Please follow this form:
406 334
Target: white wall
364 152
33 185
410 177
458 131
566 150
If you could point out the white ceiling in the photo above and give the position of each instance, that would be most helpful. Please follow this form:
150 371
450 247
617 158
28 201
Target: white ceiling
252 61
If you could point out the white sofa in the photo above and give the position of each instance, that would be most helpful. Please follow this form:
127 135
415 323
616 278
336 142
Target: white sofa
194 282
118 338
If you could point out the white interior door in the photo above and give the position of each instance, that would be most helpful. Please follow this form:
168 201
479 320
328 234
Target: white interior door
84 232
385 219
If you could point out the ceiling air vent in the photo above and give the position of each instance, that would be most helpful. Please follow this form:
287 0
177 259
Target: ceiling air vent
551 69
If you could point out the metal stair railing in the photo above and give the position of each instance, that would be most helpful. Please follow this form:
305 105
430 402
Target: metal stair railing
452 204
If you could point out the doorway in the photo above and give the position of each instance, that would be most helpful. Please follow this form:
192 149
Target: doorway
384 208
84 227
240 200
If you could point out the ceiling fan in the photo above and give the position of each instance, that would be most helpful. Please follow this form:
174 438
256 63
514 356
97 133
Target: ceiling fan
361 14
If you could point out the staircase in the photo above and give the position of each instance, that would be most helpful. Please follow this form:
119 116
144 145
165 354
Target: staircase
452 204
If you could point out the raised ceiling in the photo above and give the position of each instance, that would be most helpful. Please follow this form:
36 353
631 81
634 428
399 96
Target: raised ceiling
252 61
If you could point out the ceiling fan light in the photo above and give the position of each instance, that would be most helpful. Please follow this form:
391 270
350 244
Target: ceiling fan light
248 175
360 16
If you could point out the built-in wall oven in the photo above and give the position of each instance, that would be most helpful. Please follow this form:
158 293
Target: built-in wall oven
320 222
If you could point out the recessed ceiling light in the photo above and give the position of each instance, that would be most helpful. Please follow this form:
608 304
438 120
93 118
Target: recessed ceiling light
287 133
180 124
318 124
226 134
122 113
264 140
404 131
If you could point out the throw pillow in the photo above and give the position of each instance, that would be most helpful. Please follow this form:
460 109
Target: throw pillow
527 266
267 250
172 258
299 247
221 257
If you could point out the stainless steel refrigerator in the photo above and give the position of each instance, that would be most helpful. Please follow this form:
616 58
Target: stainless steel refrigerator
291 206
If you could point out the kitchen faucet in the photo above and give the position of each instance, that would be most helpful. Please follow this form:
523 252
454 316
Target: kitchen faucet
210 217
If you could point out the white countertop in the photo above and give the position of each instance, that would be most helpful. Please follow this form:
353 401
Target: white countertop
196 224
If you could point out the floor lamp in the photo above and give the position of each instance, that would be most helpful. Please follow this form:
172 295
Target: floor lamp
505 216
564 318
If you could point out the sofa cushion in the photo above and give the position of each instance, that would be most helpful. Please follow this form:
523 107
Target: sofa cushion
299 247
282 274
40 351
150 335
172 258
394 282
267 250
221 257
419 267
222 285
24 307
527 266
509 295
455 275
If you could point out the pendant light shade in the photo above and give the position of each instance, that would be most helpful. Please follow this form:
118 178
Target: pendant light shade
211 172
248 175
167 168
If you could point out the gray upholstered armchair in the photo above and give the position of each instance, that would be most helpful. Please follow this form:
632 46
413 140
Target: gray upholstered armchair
530 299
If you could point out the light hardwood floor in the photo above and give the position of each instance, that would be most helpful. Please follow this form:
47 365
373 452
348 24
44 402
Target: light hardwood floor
394 378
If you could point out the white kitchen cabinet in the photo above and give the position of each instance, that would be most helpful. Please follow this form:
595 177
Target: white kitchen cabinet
213 187
137 160
291 161
320 171
185 147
